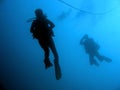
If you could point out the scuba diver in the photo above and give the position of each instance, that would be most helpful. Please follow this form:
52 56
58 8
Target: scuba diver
41 29
91 48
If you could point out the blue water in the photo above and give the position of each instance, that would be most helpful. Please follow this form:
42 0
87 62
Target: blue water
21 57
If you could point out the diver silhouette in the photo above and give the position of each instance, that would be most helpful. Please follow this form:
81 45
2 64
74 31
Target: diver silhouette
91 48
41 29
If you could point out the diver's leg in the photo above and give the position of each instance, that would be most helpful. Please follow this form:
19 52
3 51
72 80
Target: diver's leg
92 60
57 68
54 51
101 58
107 59
47 62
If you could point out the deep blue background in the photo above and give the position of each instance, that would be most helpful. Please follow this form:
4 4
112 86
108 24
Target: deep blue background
21 58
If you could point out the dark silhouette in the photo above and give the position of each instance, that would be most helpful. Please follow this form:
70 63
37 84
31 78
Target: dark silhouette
41 29
64 15
91 48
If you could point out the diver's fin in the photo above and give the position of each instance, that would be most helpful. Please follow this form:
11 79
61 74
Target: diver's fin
107 59
94 62
58 73
47 63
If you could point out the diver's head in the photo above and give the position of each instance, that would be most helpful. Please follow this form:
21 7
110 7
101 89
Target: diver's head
39 13
86 36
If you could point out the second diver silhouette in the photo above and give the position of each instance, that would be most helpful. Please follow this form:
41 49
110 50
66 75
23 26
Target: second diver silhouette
41 29
91 48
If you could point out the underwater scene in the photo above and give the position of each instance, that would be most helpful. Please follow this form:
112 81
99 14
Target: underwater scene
59 44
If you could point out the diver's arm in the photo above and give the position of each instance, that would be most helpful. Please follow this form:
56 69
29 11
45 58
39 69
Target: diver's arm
32 27
50 24
82 41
